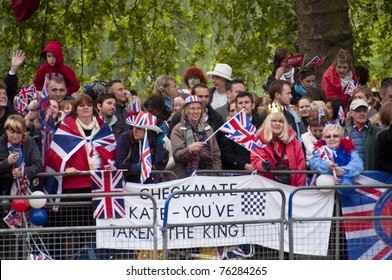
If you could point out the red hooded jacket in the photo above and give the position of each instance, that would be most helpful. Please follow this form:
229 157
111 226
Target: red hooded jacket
332 86
58 70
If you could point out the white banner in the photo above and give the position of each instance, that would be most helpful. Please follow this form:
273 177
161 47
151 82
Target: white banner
213 209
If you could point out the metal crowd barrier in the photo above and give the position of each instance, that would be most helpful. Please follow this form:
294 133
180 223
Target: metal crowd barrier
71 232
338 243
210 253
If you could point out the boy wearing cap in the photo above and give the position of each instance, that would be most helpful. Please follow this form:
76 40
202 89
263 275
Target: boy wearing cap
220 76
363 133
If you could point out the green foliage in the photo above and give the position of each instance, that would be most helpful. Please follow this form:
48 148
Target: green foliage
137 41
371 20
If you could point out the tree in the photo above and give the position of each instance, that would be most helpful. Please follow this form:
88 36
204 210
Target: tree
323 29
138 40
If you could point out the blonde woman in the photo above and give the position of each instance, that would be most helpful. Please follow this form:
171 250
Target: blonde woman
166 86
282 148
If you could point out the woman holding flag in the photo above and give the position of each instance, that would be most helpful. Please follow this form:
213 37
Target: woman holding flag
138 150
282 151
191 150
336 156
82 144
19 156
339 79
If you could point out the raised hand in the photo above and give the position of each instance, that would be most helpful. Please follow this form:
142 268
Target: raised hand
17 60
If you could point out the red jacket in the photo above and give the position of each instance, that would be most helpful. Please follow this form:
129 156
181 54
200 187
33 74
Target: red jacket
332 86
294 153
58 70
67 138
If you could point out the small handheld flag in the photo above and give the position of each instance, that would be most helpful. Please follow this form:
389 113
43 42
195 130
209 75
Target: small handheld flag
341 115
321 114
146 165
316 61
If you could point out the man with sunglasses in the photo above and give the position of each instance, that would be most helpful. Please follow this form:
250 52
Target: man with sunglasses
363 133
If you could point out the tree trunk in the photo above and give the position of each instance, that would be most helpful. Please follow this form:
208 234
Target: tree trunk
323 29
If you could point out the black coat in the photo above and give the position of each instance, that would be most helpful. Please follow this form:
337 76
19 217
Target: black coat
32 158
383 150
233 155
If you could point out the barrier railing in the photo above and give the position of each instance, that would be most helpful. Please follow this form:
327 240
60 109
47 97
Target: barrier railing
15 242
167 226
338 237
63 230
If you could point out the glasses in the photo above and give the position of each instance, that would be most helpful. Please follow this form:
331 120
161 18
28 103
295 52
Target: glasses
192 109
334 136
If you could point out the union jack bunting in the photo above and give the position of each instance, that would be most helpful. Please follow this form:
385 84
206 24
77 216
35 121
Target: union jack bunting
48 125
134 106
108 207
146 166
27 92
241 130
14 219
40 257
368 239
233 252
341 115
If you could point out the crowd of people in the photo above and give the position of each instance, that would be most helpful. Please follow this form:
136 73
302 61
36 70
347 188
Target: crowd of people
339 127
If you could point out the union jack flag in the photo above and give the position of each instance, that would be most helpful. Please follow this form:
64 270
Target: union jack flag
321 114
146 166
108 207
368 239
341 115
68 142
21 106
27 92
351 86
241 130
317 61
44 92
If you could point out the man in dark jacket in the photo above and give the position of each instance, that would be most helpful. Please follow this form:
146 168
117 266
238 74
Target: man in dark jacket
280 94
234 156
363 133
212 117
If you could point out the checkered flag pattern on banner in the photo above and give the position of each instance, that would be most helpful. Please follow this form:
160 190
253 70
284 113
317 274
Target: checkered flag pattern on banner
253 203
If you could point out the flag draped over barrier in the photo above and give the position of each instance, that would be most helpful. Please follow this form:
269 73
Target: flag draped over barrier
107 181
368 239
